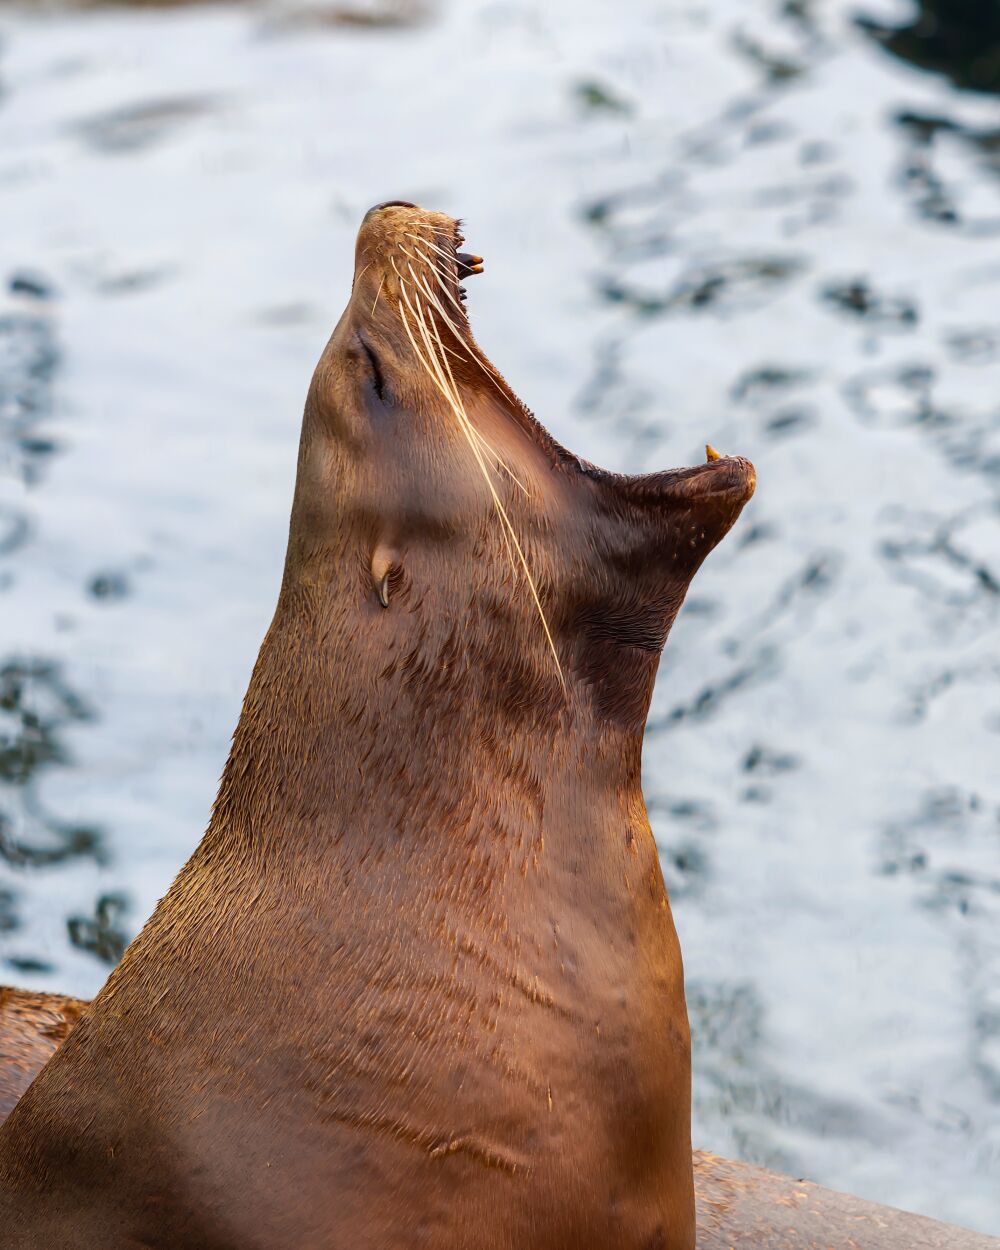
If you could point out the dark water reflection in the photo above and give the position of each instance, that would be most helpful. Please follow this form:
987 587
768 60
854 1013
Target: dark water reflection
958 38
29 358
36 705
742 223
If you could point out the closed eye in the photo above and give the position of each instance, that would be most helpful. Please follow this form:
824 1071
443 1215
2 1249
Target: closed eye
377 379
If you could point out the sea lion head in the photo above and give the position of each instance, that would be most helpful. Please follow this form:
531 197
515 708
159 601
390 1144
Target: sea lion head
433 502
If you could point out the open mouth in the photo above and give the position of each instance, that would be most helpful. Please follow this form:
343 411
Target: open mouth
428 245
726 480
466 264
432 271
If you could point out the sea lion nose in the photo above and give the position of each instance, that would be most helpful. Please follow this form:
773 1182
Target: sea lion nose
390 204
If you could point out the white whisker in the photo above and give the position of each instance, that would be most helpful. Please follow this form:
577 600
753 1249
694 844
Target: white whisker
378 293
448 389
431 297
488 370
436 376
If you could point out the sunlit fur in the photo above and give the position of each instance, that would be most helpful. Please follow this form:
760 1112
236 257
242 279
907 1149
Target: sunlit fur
425 307
32 1027
419 985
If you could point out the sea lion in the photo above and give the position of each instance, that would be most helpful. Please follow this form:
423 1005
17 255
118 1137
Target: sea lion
739 1207
32 1028
419 985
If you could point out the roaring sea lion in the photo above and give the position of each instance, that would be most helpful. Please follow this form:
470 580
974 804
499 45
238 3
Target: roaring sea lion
419 985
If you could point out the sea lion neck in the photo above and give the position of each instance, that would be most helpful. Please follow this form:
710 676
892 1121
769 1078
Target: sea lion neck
363 731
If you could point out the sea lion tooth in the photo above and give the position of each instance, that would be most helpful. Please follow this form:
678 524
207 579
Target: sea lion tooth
468 264
710 453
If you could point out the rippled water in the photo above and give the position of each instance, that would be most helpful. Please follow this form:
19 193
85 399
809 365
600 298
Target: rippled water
765 225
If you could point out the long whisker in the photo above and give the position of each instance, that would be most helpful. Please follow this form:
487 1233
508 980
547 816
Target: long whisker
488 369
454 400
436 376
430 243
453 397
436 303
473 430
378 292
455 330
427 325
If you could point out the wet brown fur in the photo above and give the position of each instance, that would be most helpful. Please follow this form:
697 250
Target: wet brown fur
419 985
32 1028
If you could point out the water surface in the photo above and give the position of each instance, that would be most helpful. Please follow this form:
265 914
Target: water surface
767 226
